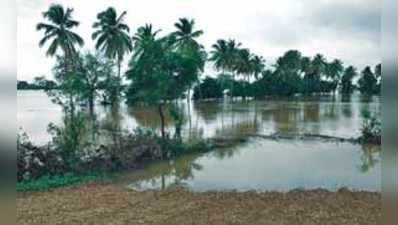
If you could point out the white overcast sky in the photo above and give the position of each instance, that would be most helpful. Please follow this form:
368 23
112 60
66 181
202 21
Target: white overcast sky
345 29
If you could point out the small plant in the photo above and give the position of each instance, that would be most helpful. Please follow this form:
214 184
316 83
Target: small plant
371 128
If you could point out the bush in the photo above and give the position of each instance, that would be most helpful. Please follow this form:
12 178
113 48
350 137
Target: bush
371 128
34 162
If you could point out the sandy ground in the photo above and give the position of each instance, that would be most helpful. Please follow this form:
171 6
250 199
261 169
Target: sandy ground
109 204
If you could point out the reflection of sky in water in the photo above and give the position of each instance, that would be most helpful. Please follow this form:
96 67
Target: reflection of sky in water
324 115
272 165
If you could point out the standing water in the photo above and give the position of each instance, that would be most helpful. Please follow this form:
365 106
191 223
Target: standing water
257 164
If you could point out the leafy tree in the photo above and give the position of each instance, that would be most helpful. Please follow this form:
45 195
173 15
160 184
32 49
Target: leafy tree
209 88
112 37
346 80
367 82
156 70
96 71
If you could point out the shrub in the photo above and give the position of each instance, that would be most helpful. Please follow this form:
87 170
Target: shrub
34 162
371 128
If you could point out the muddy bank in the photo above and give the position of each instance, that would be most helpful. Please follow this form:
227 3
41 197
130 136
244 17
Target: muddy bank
94 203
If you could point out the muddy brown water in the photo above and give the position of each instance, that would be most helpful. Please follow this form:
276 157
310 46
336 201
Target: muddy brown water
256 164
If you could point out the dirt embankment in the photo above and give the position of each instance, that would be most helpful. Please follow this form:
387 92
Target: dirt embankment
108 204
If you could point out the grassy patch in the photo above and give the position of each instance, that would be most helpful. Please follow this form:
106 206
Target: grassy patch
50 182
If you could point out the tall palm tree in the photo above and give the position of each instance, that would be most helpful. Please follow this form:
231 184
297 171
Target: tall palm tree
232 59
186 34
333 71
186 41
219 55
144 37
244 65
112 36
58 31
346 80
258 64
319 65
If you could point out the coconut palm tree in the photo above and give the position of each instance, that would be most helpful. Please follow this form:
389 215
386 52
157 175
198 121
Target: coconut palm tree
346 80
244 66
219 55
333 71
186 34
319 65
258 64
186 43
112 37
58 31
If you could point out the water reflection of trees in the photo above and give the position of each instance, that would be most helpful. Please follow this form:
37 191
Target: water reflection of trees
370 157
148 116
208 111
170 173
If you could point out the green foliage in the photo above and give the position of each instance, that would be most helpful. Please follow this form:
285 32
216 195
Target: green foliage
209 88
368 82
59 31
371 128
346 81
49 182
70 137
44 84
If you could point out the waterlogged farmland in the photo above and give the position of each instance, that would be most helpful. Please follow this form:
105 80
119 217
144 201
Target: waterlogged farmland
261 164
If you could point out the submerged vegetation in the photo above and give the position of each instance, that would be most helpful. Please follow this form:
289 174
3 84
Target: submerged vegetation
162 69
371 128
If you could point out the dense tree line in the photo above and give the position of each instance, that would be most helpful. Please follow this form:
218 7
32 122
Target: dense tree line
39 83
292 74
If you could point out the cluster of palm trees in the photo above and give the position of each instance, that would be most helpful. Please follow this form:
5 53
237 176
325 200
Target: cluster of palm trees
228 56
292 74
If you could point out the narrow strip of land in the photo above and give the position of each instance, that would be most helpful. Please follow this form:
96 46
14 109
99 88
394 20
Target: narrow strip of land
94 203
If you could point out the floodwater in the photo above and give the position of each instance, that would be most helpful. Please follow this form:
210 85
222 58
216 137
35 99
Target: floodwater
257 164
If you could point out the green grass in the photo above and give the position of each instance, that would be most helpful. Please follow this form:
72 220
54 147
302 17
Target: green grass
50 182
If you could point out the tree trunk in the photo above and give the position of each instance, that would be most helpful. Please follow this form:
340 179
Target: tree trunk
162 127
91 104
232 87
71 102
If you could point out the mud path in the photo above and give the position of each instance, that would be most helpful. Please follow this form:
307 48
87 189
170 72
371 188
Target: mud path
94 203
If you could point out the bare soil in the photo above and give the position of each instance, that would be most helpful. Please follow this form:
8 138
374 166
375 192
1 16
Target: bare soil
94 203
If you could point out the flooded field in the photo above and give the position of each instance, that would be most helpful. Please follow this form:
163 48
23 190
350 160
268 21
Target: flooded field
259 164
